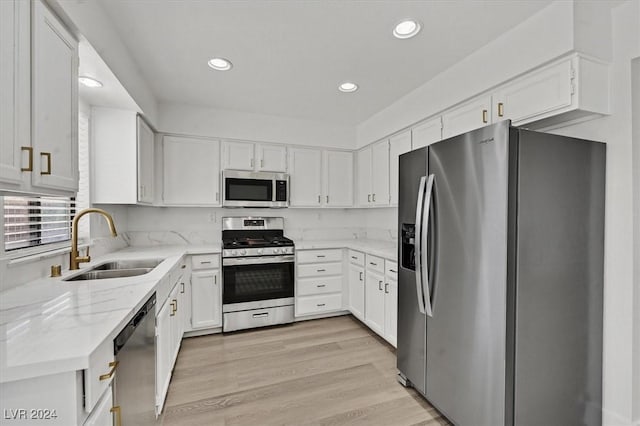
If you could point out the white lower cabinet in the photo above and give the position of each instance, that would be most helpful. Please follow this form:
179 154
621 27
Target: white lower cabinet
391 302
206 292
355 282
104 414
374 301
319 282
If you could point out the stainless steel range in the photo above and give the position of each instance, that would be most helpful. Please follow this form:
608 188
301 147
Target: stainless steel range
258 273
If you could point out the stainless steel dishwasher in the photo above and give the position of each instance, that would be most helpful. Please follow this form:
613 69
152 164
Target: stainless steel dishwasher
134 388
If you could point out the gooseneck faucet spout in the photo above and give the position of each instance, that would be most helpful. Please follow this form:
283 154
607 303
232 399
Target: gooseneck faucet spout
75 258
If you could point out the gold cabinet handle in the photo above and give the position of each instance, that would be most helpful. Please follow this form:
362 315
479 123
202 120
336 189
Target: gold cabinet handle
118 412
374 198
500 109
181 288
29 168
48 155
113 365
174 308
368 198
485 116
327 199
318 199
386 288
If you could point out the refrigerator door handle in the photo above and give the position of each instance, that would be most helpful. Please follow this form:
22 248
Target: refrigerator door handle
423 243
418 244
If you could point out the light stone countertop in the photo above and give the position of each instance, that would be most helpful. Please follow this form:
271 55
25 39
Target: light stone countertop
50 326
385 249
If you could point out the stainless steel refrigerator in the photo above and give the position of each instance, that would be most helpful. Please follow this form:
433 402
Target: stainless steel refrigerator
501 251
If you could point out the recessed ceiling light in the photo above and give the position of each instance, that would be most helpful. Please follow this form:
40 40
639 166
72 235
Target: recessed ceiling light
89 82
407 29
220 64
348 87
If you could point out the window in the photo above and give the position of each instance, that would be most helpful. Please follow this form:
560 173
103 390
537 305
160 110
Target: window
31 221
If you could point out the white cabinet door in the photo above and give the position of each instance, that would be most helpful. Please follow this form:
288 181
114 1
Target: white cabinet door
356 291
398 145
535 94
191 171
469 116
54 102
15 80
374 301
163 352
145 161
206 299
338 179
305 169
271 158
391 311
363 179
101 415
238 155
380 173
176 325
426 133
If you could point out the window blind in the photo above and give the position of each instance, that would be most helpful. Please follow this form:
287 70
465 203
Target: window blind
36 221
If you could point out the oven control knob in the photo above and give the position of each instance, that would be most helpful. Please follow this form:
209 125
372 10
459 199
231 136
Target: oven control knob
243 252
233 252
260 251
276 250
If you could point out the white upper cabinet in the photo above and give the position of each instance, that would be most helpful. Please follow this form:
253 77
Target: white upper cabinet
571 88
238 155
250 156
122 153
426 133
338 179
54 102
145 161
305 169
364 176
380 173
15 91
468 116
38 100
191 171
398 145
271 158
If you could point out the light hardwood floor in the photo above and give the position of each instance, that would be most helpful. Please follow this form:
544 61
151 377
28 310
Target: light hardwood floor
323 372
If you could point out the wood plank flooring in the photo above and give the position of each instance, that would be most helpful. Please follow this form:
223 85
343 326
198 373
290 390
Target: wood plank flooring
332 371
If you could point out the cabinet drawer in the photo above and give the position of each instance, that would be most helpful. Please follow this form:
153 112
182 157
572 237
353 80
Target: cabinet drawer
391 269
310 256
307 286
308 305
356 257
319 269
97 378
205 261
375 263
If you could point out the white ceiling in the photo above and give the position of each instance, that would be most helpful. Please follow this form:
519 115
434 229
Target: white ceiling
290 55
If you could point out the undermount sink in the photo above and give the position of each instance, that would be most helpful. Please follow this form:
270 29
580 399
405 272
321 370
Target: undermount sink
117 269
128 264
95 274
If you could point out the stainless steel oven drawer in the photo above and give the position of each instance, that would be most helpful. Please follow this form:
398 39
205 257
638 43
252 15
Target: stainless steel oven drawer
257 318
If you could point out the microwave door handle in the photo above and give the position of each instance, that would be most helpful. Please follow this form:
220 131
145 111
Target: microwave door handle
425 234
417 252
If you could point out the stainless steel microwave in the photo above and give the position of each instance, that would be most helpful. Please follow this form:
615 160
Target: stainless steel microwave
254 189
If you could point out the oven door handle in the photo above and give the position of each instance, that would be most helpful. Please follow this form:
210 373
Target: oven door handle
259 260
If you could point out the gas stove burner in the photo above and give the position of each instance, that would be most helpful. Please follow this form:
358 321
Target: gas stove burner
254 237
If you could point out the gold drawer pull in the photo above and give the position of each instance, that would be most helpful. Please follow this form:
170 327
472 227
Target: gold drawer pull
500 109
48 155
113 365
485 116
118 412
29 168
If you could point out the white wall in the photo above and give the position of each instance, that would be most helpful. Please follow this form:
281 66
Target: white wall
199 121
635 73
